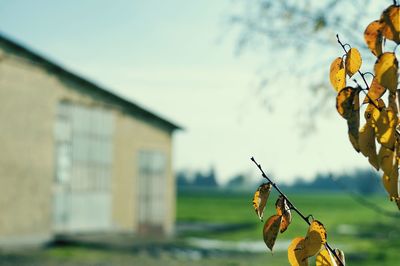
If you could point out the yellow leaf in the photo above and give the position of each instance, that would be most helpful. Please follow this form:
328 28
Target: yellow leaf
337 74
271 229
375 91
340 254
296 252
390 185
372 113
390 23
315 238
348 106
390 176
386 158
386 128
366 141
282 208
373 37
385 68
346 101
325 258
353 61
260 199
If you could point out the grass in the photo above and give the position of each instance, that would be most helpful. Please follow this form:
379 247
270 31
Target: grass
367 237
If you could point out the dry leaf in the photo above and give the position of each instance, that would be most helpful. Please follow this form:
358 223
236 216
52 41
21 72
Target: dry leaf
390 23
260 199
373 37
315 238
353 61
296 255
337 74
325 258
385 68
271 229
366 142
283 209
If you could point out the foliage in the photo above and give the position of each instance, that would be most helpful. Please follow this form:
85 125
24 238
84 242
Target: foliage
302 248
379 138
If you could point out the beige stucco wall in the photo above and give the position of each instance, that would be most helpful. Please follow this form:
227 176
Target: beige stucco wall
28 98
131 137
26 157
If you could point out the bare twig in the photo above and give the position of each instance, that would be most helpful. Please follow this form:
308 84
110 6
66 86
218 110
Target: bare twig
291 205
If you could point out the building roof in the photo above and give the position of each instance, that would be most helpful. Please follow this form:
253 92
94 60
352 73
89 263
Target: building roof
63 71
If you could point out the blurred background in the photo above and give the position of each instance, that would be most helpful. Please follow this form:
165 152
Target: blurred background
127 129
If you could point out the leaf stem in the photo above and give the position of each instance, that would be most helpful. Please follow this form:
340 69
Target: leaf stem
362 76
359 72
292 206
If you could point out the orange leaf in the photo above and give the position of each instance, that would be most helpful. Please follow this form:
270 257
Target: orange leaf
373 37
375 91
390 23
271 229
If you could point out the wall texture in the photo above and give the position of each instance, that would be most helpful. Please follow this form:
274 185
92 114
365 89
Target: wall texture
29 94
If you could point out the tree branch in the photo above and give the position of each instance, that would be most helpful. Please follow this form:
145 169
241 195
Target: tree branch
293 207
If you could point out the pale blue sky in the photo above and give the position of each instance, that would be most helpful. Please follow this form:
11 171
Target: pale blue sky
176 58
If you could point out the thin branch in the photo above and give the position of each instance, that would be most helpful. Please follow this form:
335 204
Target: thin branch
293 207
362 76
359 72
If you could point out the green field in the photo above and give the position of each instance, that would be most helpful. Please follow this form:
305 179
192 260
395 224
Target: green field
367 236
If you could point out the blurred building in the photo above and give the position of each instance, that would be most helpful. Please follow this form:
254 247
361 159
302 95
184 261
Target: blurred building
76 157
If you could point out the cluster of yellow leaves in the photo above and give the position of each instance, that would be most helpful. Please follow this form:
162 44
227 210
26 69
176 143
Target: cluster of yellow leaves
313 244
278 222
378 139
301 248
275 223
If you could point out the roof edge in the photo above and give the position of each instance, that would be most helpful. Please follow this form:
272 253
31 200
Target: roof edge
58 68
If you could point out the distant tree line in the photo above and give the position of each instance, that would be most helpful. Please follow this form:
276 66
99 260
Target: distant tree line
361 181
198 179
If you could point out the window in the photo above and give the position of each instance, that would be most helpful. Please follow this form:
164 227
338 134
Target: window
84 138
152 187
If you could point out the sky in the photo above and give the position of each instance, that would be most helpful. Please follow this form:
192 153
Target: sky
177 58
